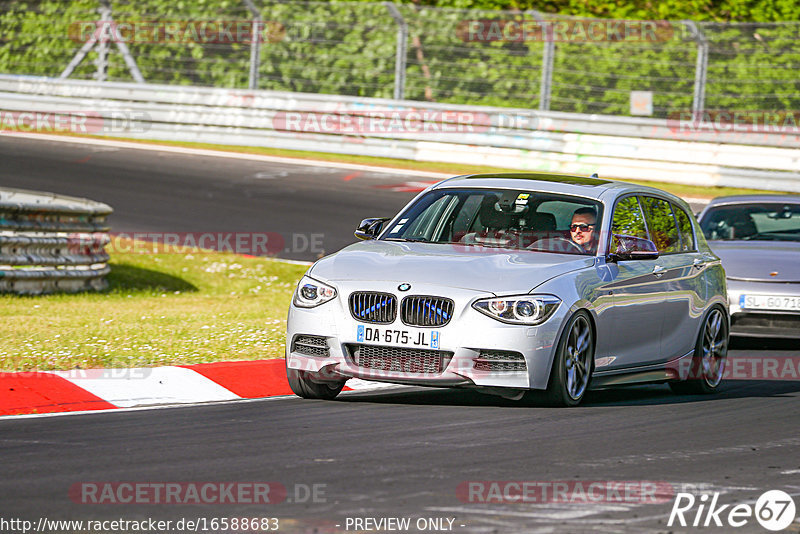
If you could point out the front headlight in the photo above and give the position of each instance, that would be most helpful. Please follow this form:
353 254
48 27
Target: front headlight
519 309
311 293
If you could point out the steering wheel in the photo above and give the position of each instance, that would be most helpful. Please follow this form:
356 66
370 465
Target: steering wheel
557 239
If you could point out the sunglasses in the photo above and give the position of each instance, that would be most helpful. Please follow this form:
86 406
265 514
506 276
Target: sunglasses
583 227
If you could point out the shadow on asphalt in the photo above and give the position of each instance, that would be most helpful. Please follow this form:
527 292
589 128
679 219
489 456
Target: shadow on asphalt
645 395
757 343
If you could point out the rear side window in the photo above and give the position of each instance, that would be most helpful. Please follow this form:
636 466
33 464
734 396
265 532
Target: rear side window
628 219
661 223
685 229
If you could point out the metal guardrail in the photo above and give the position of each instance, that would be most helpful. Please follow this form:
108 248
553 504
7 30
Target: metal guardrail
51 243
621 147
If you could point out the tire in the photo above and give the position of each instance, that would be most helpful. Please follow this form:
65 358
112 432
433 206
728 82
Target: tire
710 355
572 367
303 386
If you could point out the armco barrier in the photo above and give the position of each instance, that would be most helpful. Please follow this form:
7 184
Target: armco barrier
623 147
51 243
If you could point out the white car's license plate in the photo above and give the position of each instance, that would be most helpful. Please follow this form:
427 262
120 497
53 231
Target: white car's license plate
769 302
424 339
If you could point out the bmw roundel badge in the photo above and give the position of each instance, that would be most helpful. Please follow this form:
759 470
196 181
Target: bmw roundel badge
404 287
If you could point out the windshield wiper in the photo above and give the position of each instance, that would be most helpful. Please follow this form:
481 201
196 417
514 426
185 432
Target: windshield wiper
407 239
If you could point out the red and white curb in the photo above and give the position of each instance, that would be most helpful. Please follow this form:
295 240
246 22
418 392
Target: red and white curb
43 392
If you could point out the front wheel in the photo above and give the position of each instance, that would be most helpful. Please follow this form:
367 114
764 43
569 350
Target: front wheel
303 386
710 355
572 366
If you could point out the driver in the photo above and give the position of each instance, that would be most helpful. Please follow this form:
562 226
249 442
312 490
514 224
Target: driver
582 230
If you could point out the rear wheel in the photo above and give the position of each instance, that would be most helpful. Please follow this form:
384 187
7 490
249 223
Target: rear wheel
303 386
710 355
572 367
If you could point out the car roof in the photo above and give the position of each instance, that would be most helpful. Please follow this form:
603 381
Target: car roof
590 187
753 199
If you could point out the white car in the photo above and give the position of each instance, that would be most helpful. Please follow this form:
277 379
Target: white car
512 283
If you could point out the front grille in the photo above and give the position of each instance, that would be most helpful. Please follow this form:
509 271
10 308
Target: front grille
500 360
399 359
426 311
310 345
369 307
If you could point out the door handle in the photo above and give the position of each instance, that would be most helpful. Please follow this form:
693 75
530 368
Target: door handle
698 263
659 271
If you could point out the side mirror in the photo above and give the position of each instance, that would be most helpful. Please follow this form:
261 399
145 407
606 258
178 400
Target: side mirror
370 228
632 248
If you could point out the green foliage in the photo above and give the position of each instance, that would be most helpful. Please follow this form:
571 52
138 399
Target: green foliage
348 48
701 10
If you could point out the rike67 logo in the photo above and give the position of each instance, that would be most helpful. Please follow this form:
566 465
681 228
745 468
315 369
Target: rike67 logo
774 510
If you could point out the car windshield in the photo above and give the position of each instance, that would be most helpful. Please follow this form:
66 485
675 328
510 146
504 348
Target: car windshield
502 218
752 222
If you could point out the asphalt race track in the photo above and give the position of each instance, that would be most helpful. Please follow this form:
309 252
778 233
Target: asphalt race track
404 452
166 192
394 452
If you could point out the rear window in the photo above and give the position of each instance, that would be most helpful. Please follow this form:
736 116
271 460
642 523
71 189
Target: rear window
661 223
685 228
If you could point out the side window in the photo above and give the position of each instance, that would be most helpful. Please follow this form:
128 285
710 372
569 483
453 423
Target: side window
628 219
661 223
466 216
685 228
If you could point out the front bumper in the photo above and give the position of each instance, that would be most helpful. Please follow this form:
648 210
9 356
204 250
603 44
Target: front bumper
762 323
460 343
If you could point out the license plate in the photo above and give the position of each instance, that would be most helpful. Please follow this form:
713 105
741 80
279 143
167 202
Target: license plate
769 302
429 339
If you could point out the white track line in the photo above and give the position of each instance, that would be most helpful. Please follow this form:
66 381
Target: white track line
140 408
223 154
152 146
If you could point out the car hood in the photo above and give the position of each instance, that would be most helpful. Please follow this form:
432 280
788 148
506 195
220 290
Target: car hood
483 269
755 260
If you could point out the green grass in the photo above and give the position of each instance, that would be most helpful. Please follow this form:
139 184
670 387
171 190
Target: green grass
447 168
160 309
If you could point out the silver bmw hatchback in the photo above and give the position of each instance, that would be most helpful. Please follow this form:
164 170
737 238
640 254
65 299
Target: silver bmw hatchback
518 285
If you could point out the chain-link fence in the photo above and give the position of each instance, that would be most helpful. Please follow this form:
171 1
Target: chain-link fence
498 58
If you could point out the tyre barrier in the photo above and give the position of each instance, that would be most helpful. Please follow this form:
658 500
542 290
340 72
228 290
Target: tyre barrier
52 243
